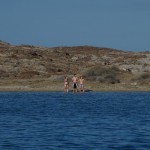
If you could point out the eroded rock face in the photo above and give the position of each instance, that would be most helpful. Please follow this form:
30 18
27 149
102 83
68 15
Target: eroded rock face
27 61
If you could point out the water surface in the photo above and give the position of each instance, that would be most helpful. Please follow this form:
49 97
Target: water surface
88 121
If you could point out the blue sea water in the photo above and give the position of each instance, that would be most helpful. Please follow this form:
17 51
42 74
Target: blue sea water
87 121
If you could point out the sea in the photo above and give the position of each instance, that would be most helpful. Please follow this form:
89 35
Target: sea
75 121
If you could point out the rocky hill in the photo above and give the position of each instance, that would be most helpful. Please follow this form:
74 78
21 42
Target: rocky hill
101 65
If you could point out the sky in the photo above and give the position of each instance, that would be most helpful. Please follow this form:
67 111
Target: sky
118 24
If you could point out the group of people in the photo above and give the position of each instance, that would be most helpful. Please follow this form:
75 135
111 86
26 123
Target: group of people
78 84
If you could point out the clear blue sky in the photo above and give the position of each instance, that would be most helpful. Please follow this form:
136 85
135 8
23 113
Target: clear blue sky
119 24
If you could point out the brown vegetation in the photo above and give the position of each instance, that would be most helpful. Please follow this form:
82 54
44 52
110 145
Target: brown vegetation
103 74
101 65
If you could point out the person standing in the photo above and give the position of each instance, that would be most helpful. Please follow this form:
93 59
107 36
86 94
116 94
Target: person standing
75 83
81 82
66 84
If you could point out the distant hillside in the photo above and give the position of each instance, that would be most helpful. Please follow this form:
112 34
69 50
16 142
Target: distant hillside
95 63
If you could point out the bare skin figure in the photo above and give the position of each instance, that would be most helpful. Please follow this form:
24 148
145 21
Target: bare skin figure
81 82
75 83
66 84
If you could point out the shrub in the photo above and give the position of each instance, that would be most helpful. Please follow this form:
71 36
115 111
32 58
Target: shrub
143 78
57 78
28 74
3 74
103 74
98 71
108 79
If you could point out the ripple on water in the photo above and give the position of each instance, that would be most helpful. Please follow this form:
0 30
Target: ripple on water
94 120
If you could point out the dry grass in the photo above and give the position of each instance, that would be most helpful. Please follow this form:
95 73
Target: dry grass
143 78
27 62
28 74
103 74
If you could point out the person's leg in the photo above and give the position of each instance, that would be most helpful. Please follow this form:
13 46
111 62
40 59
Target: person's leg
73 88
67 90
64 88
76 88
82 88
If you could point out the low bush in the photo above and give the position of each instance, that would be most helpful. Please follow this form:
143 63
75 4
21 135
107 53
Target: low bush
143 78
103 74
28 74
3 74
